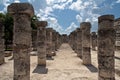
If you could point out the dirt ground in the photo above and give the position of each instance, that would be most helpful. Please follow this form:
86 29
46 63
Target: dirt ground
64 66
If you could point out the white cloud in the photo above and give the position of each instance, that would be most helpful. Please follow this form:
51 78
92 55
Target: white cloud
78 18
85 8
118 1
89 10
55 25
71 28
76 5
57 6
17 1
87 20
6 3
52 22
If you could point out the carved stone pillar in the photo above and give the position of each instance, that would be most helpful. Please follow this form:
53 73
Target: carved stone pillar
106 47
41 43
1 42
22 41
94 40
86 56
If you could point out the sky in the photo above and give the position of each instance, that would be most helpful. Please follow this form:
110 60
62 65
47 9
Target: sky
66 15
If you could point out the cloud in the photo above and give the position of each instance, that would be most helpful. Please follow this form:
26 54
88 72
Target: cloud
17 1
52 22
118 1
5 3
76 5
71 28
90 10
38 4
58 4
78 18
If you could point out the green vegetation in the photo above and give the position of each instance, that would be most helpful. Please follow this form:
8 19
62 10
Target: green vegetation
8 30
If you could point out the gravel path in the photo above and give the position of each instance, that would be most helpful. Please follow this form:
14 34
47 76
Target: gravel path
64 66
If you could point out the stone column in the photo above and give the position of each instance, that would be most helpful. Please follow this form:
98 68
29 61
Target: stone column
49 42
72 40
1 42
94 40
86 56
79 43
75 41
57 40
34 39
22 41
106 47
53 42
41 43
64 38
117 29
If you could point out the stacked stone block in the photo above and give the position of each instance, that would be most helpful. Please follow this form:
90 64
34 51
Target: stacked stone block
79 42
106 47
22 41
86 56
41 43
94 40
1 42
49 42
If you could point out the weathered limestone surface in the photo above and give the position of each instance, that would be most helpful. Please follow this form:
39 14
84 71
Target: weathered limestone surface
94 40
49 42
53 42
75 41
1 42
34 40
106 47
64 38
117 28
86 56
57 41
79 43
41 43
22 41
70 40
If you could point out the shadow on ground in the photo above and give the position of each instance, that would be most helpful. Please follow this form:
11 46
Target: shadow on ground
50 58
40 70
117 58
117 72
92 68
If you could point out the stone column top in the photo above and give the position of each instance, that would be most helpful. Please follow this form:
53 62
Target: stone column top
107 25
23 8
49 29
57 33
105 17
72 32
78 29
85 25
54 31
93 33
117 23
42 23
118 19
64 34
